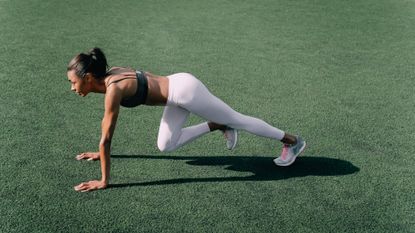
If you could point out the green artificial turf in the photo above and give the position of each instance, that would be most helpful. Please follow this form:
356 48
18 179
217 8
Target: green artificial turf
340 73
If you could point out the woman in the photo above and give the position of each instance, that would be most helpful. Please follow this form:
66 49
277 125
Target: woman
180 93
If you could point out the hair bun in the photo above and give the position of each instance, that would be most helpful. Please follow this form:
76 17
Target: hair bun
99 62
94 52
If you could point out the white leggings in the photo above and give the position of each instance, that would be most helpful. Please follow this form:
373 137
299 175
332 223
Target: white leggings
188 95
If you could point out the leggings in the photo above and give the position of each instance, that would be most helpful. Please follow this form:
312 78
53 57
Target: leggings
188 95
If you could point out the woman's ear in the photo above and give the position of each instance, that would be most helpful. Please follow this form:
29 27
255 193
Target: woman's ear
89 78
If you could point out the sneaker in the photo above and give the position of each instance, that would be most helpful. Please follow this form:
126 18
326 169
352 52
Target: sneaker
231 136
290 153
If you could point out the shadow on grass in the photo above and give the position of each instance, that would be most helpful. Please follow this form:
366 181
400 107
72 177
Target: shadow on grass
262 168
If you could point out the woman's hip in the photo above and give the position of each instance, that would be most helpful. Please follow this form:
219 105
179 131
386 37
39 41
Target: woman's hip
183 88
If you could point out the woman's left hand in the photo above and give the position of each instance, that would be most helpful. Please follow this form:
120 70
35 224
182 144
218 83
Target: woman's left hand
90 186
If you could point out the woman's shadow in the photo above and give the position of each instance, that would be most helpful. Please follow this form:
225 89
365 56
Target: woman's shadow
262 168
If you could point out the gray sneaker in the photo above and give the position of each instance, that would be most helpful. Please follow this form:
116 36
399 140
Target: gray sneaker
231 136
290 153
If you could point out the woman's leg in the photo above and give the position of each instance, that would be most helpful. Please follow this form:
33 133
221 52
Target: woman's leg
211 108
187 94
172 135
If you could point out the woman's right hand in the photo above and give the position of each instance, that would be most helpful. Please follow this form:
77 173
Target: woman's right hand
88 156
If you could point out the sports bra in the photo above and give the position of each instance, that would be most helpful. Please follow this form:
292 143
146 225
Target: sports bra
140 95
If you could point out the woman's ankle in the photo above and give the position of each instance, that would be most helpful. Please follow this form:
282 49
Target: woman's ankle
214 126
289 139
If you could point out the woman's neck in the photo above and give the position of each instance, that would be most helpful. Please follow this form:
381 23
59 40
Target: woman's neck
99 86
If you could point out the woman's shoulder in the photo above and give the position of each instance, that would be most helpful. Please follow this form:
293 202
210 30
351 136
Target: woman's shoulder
115 80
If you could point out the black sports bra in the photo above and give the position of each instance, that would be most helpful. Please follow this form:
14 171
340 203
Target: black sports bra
140 95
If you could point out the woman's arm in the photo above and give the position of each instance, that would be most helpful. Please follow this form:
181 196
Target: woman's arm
112 107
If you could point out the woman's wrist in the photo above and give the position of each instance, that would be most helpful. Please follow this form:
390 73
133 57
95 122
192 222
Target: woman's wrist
105 181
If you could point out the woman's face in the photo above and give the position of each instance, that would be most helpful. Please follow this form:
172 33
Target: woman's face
78 85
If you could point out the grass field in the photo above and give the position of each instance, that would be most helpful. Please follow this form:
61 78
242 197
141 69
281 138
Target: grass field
340 73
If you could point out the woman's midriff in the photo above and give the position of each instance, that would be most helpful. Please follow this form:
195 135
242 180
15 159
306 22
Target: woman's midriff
158 89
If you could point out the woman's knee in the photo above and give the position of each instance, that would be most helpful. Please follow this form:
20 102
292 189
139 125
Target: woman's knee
166 145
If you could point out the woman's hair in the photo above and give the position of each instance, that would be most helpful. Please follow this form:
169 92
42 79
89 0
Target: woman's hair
93 62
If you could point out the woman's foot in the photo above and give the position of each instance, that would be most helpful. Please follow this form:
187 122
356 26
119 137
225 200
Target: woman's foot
230 134
290 152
